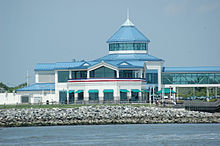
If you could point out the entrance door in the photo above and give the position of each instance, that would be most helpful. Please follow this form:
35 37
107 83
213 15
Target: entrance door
123 96
71 98
134 96
62 97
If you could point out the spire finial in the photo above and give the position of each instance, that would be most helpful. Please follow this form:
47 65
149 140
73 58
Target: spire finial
127 13
128 22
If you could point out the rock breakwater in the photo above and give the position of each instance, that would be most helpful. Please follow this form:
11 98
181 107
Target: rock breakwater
102 114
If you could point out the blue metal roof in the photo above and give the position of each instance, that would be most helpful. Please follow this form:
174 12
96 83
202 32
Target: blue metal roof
44 67
129 57
67 65
133 60
192 69
63 65
39 87
128 34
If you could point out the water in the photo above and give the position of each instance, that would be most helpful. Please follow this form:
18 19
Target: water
138 134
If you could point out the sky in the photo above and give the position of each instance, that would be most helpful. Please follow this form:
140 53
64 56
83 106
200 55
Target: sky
182 32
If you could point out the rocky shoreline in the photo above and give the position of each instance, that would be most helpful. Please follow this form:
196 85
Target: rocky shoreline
102 114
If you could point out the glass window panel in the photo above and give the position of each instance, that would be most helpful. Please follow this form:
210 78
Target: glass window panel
190 78
79 74
93 96
63 97
127 74
63 76
103 72
127 46
123 96
108 96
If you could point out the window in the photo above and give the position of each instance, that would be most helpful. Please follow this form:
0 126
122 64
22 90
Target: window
190 78
123 96
80 96
108 96
103 72
79 74
24 99
152 78
127 46
62 97
71 97
93 96
134 96
63 76
127 74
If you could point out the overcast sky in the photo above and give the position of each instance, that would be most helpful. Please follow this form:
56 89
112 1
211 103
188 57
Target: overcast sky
182 32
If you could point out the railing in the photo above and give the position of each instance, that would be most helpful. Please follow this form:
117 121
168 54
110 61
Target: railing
199 105
105 78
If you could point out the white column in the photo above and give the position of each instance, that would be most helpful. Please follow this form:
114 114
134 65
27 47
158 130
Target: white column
67 90
70 74
86 95
101 95
36 77
76 97
141 72
116 94
129 94
56 85
174 95
207 91
88 74
153 96
144 74
117 73
159 78
139 96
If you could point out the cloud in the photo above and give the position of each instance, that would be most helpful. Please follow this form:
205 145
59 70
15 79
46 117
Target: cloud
207 7
176 7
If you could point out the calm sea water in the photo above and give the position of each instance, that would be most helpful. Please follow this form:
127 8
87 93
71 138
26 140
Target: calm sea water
138 134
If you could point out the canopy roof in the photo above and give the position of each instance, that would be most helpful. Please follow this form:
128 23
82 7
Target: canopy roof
108 90
39 87
93 91
124 90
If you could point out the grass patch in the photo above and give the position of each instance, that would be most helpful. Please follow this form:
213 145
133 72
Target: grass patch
26 106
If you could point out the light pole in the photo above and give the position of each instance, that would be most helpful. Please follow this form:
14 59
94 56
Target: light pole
170 93
153 94
150 96
67 96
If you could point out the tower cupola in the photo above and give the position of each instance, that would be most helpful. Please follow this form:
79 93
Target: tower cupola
128 39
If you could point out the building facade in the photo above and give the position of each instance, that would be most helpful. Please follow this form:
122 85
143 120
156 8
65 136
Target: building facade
127 74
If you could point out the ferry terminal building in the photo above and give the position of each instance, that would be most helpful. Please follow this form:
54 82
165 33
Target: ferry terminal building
127 74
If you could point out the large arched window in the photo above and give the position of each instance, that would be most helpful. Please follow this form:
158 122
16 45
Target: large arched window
103 72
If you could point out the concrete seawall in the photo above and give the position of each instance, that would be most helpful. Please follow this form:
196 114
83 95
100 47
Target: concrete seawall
102 114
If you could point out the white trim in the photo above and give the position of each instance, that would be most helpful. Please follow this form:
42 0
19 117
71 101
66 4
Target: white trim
128 51
102 64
